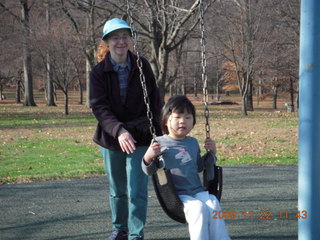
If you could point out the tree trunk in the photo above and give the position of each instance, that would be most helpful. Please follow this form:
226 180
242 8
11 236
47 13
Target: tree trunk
1 92
243 90
195 86
90 51
88 69
18 91
66 102
259 91
274 97
50 89
249 101
26 56
244 106
183 87
297 98
274 89
163 57
260 88
291 94
90 61
80 91
217 88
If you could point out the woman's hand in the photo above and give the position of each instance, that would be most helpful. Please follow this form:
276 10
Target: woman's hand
210 145
153 151
126 141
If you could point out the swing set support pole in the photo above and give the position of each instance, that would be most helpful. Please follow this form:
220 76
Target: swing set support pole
309 121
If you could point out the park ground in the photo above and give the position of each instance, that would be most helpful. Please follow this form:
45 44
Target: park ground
41 143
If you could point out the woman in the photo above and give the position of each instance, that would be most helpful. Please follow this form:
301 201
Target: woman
117 101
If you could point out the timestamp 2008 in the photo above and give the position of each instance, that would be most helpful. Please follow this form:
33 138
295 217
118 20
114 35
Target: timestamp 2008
262 214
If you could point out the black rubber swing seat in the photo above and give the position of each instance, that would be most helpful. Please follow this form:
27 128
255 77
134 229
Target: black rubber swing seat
168 198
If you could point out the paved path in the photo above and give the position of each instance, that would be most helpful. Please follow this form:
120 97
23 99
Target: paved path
78 209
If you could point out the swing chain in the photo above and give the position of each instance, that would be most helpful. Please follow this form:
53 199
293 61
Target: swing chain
142 77
204 74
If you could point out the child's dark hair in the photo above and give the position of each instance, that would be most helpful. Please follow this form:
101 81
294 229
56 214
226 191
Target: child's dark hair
177 104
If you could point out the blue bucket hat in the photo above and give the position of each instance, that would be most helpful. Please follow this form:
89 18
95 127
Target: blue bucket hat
113 25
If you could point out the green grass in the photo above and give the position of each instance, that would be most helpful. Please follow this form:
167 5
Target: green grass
285 159
25 160
41 143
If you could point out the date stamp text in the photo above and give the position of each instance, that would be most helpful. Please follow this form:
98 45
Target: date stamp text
262 214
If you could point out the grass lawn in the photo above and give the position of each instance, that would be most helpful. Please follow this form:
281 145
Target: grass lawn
40 143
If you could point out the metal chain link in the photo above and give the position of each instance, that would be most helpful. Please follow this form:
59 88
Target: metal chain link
204 74
142 77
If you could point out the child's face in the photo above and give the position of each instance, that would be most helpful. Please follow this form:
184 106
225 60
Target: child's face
180 124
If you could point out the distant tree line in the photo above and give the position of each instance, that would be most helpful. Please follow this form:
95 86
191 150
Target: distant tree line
251 46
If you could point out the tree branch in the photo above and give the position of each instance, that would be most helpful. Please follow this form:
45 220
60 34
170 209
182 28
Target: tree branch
10 12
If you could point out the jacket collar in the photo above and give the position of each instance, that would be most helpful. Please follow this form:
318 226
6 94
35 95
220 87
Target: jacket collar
108 66
117 66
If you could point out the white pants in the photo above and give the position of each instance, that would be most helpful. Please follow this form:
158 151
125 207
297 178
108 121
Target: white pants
198 211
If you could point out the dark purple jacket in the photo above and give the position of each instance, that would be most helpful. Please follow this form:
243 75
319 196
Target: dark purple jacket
111 114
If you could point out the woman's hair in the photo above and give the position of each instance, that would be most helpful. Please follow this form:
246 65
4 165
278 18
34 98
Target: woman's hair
102 51
176 104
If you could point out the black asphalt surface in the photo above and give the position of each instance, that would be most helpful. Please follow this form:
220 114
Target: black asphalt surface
260 202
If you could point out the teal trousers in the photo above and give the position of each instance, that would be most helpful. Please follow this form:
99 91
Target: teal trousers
128 190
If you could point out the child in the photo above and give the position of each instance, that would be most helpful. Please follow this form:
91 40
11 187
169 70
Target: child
181 154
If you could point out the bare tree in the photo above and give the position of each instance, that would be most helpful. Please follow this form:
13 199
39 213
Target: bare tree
79 74
219 76
279 68
26 54
239 30
87 39
244 42
289 12
166 25
63 54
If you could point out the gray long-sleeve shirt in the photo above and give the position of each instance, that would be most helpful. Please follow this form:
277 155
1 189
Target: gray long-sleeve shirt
182 157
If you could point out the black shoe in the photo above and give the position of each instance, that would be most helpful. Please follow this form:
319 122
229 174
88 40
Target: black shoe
118 235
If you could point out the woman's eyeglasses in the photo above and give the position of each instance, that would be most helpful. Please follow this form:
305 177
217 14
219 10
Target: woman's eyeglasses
118 38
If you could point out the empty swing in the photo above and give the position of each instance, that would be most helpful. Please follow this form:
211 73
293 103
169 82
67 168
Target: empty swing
162 182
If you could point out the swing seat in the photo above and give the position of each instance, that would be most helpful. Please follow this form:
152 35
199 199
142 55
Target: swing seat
168 198
212 175
214 186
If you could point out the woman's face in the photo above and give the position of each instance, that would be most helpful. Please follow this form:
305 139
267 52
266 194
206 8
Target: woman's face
119 42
